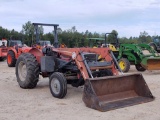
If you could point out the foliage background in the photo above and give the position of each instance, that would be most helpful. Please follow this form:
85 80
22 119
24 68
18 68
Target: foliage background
70 37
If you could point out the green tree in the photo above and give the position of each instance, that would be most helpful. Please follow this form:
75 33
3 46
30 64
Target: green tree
70 37
143 37
28 28
112 37
28 31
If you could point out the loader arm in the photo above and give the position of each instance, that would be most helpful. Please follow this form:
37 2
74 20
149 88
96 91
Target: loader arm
76 55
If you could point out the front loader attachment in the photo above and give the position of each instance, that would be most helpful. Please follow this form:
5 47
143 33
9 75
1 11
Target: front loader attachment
112 92
151 63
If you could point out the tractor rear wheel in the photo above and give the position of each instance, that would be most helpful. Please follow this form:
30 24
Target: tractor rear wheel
58 85
27 71
124 64
11 60
139 67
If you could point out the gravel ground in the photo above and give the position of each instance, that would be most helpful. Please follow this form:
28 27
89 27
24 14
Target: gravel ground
38 103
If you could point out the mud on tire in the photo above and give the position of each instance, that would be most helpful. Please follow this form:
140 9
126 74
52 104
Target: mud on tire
27 71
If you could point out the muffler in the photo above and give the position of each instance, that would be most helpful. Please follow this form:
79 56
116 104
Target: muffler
113 92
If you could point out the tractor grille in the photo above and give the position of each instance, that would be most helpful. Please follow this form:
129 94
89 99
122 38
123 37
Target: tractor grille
4 49
90 57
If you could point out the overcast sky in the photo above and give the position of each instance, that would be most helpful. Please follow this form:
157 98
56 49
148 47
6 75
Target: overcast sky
127 17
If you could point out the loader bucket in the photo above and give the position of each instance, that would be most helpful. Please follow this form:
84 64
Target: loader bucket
108 93
151 63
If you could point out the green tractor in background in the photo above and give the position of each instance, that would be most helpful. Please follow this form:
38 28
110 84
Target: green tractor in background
155 44
142 56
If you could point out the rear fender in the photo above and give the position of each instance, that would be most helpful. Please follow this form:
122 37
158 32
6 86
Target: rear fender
37 53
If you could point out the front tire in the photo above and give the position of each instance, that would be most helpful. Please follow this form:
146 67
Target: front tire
58 85
139 67
11 59
124 64
27 71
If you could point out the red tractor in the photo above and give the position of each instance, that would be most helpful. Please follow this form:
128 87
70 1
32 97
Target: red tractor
15 48
104 87
3 49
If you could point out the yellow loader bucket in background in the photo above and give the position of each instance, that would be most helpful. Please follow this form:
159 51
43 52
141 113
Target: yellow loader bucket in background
112 92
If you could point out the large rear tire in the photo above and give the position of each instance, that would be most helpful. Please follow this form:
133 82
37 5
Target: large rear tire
139 67
58 85
124 64
27 71
11 60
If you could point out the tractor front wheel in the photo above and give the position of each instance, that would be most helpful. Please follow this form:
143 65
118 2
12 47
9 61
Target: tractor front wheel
11 60
124 64
58 85
139 67
27 71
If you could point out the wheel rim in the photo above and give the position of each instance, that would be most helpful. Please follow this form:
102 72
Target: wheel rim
9 59
55 86
22 71
122 65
